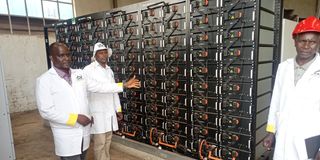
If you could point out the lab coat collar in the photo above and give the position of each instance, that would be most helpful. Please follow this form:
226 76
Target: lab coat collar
306 65
315 64
313 69
53 71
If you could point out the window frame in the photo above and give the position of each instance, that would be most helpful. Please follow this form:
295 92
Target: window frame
31 18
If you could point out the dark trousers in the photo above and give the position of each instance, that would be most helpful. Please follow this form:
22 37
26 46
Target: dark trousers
81 156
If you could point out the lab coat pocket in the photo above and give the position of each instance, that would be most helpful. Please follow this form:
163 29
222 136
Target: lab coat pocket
67 142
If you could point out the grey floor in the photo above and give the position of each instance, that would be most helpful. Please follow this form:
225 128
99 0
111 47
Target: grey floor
33 141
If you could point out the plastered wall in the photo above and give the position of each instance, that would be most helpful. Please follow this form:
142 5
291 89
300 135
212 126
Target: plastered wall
83 7
121 3
24 59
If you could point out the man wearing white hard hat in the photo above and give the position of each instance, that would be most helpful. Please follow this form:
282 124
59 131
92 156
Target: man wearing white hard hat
99 46
104 107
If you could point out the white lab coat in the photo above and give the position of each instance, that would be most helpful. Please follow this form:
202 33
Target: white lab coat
103 106
295 109
56 100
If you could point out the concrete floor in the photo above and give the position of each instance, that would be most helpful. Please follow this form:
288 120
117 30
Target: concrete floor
33 141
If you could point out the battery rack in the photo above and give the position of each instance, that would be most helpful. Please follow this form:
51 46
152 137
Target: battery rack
206 67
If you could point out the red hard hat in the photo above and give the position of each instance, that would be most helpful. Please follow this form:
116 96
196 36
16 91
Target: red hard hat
310 24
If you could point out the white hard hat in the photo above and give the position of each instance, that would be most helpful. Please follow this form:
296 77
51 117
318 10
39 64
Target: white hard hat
99 46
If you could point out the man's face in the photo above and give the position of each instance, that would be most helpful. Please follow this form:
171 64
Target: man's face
102 56
61 57
307 44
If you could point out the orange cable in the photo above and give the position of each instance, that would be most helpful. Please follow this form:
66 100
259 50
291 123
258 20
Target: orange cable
213 157
130 134
150 135
166 144
200 148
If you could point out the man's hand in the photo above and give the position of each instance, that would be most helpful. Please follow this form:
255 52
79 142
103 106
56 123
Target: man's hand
119 116
268 141
318 156
132 83
83 120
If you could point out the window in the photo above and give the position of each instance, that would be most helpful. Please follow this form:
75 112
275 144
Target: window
17 7
32 15
50 9
68 1
65 11
3 7
34 8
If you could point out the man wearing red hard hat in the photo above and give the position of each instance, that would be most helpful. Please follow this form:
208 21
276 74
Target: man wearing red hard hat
294 115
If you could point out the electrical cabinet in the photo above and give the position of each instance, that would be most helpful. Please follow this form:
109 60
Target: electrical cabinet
206 67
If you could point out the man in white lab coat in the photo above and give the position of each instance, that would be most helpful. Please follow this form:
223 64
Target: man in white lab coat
295 106
104 107
61 95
